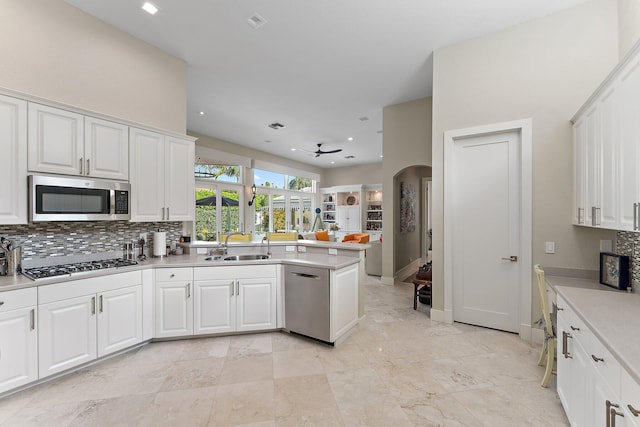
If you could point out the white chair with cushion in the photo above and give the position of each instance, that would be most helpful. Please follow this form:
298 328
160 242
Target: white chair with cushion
548 351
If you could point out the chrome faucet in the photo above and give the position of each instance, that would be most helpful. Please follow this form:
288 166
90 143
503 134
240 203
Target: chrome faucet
267 236
226 240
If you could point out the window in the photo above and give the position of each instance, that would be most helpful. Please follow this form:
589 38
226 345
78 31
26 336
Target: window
283 202
219 207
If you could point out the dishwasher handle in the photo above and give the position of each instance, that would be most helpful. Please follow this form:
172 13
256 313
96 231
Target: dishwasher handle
308 276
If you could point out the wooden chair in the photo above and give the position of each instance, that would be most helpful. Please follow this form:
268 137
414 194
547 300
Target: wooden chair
548 351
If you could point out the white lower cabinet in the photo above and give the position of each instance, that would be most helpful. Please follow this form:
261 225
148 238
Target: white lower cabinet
18 338
174 303
344 300
88 318
233 298
593 388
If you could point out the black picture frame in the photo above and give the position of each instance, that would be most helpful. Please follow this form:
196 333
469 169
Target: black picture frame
614 270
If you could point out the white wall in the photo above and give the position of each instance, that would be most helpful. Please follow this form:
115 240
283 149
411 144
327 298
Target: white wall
406 142
52 50
629 25
545 70
353 175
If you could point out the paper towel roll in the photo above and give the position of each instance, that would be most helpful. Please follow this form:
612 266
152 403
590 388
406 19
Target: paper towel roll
159 243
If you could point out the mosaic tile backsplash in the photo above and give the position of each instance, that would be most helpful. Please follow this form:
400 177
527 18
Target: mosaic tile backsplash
44 240
628 243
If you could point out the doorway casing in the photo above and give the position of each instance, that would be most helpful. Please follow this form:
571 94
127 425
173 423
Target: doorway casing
524 127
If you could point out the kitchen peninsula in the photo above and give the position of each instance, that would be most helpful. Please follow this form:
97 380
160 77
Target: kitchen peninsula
64 322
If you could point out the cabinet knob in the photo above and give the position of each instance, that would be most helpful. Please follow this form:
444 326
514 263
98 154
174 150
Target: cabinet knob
1 303
597 359
633 411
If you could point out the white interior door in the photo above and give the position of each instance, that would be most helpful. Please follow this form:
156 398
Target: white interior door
486 224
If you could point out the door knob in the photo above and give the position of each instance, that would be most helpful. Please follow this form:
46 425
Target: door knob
512 258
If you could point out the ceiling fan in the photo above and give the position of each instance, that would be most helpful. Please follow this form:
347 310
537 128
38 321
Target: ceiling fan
319 151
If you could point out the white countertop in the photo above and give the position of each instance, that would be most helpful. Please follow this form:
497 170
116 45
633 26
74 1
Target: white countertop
332 262
613 316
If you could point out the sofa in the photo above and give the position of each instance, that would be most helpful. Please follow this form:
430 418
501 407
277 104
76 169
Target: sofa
356 238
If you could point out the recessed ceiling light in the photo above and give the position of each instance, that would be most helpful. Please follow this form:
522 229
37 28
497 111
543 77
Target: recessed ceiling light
381 156
202 113
350 138
256 20
332 162
149 8
293 149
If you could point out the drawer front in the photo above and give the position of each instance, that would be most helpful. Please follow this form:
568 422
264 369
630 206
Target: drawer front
173 274
630 393
88 286
603 361
574 324
234 272
19 298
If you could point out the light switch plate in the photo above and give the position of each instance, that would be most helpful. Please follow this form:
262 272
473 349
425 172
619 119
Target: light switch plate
333 251
606 246
290 248
201 251
302 249
550 247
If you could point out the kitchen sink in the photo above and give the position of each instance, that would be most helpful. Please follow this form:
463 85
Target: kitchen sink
248 257
213 258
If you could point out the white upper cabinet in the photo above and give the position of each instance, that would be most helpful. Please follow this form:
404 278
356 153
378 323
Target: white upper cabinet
162 180
606 144
64 142
629 144
13 174
106 149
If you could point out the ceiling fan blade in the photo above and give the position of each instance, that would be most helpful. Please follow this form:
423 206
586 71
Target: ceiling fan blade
329 152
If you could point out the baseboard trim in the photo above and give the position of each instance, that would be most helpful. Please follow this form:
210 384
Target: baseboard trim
537 336
445 316
387 280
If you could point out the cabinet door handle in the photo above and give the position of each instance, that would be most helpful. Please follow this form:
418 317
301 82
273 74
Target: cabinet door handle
167 213
580 219
88 169
1 303
595 216
163 213
559 308
635 216
614 414
93 305
32 318
101 304
633 411
597 359
81 164
188 290
237 287
565 350
573 328
233 288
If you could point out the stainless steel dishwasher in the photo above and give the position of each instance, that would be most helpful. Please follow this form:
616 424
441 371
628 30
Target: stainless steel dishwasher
307 301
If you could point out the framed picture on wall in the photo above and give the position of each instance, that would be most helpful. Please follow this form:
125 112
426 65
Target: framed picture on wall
614 270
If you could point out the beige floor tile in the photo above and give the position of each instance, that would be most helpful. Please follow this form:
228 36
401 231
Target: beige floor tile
385 414
120 411
247 369
53 415
249 345
296 363
174 408
438 410
300 398
204 348
189 374
243 403
283 341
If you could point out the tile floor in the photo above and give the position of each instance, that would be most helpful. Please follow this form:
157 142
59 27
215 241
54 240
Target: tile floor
397 369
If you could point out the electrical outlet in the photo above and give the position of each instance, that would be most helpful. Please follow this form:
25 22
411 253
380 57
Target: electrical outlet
333 251
606 246
550 247
290 248
302 249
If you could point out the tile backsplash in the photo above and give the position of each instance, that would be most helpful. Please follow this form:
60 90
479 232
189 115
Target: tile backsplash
628 243
44 240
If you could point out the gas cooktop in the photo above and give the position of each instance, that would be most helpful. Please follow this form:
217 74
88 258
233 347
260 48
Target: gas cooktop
69 269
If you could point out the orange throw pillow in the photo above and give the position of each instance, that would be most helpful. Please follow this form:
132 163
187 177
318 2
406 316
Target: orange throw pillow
322 235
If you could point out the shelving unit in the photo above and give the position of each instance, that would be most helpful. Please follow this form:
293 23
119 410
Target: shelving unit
373 212
328 208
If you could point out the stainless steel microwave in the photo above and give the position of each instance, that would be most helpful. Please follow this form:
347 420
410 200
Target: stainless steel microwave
59 198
